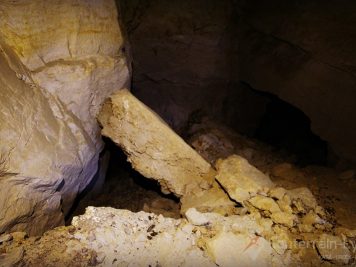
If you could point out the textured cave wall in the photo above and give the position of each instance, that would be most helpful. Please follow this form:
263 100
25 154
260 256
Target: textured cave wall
200 55
184 55
304 52
59 60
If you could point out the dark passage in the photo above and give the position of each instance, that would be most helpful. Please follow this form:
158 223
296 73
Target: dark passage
286 127
125 188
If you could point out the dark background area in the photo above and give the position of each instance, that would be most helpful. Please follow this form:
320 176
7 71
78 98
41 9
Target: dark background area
219 57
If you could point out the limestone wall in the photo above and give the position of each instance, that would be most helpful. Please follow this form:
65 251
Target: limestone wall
59 60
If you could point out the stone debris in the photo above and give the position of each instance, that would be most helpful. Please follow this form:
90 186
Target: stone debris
241 218
242 208
240 179
159 153
334 249
197 218
111 237
215 141
229 249
265 234
211 200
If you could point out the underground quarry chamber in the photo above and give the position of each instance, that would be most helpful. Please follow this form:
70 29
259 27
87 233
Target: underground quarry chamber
177 133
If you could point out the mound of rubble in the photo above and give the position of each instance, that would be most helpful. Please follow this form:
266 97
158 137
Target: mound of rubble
233 214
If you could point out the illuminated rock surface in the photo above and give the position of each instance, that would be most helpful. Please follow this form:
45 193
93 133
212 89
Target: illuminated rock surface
73 49
152 147
106 237
240 179
253 236
59 61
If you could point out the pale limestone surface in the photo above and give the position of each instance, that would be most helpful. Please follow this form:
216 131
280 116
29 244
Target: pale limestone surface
111 237
139 239
152 147
73 49
59 60
240 179
50 158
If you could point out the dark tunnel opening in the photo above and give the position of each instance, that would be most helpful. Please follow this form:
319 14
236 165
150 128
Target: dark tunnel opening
124 188
287 127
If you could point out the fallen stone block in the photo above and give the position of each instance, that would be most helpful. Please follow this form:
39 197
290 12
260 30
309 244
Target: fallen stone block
240 179
211 200
152 147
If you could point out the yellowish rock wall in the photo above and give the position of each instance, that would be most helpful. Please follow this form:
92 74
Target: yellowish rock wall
59 60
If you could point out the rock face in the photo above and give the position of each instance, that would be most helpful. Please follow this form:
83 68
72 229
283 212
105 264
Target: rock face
303 51
73 49
59 60
152 147
184 52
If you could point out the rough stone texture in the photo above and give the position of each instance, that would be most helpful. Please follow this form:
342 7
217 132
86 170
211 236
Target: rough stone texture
184 51
106 236
229 249
152 147
50 158
144 239
110 237
211 200
334 249
59 61
240 179
214 141
303 51
73 49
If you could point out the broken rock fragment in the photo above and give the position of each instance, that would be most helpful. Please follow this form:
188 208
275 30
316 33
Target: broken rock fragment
240 179
334 249
152 147
211 200
228 249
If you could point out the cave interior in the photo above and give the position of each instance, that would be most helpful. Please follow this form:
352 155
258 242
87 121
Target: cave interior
272 82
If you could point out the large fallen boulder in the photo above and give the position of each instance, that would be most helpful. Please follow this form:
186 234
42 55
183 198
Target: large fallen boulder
152 147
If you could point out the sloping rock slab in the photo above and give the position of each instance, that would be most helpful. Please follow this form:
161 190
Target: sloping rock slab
152 147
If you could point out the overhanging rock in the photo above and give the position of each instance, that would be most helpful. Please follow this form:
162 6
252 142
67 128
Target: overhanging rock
152 147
